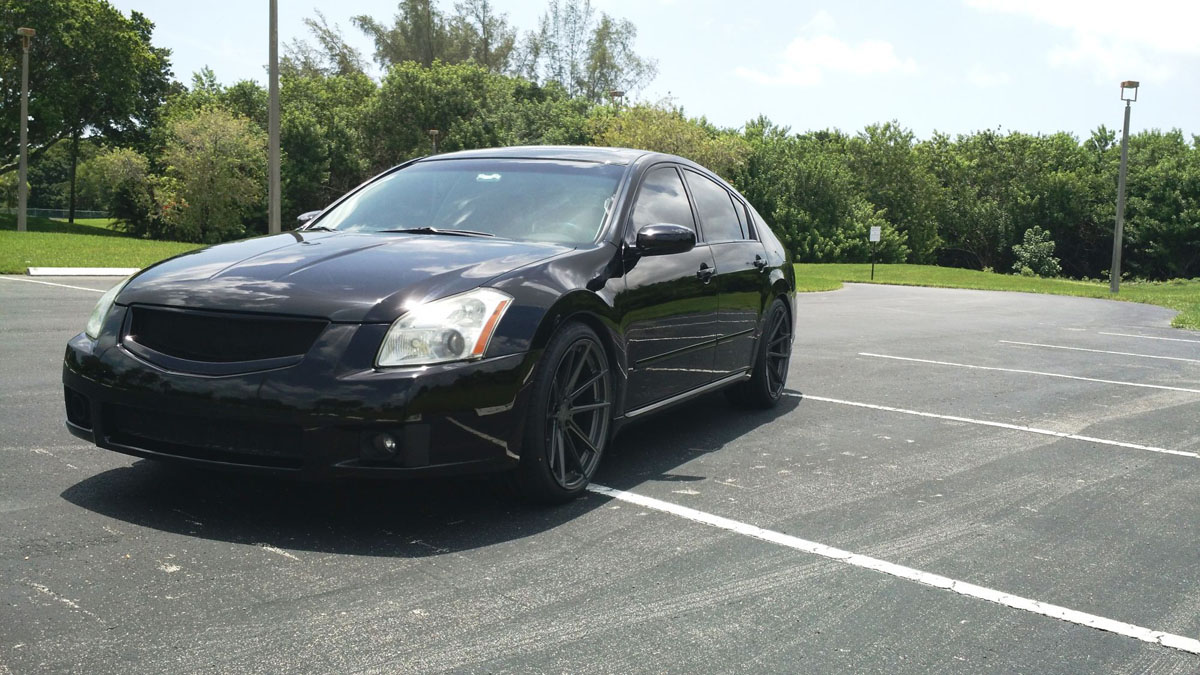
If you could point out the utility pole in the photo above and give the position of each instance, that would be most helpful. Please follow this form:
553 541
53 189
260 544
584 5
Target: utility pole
22 168
273 208
1114 281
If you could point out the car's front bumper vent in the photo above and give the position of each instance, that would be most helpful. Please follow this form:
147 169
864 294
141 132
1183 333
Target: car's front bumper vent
227 441
220 337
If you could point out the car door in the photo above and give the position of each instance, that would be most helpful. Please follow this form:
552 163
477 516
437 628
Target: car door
742 285
669 305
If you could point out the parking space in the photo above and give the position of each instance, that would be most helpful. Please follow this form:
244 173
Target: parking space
959 481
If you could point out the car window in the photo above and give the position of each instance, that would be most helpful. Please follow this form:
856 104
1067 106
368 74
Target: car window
740 211
535 200
662 200
749 222
717 215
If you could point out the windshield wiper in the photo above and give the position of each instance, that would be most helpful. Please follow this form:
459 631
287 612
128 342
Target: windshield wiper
318 228
434 230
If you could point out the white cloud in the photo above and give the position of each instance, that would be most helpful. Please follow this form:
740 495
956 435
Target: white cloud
822 23
1116 39
986 79
816 52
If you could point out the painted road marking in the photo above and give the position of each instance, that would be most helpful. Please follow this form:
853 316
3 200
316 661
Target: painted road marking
1099 351
907 573
999 425
1032 372
48 283
1149 337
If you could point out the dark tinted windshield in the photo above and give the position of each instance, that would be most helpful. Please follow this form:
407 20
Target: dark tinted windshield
537 200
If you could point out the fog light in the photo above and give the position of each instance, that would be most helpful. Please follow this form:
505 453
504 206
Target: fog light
380 445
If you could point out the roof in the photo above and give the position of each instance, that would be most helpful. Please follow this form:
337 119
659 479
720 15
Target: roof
582 153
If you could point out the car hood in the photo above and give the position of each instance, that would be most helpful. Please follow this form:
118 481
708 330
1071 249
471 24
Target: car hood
346 277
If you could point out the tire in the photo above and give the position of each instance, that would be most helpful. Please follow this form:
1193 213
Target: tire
569 418
768 376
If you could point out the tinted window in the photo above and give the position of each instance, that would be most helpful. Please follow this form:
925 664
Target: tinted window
749 222
717 215
740 211
662 200
539 200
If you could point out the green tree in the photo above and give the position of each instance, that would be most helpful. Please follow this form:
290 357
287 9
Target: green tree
216 163
1162 219
418 33
893 175
477 34
801 186
587 54
88 66
461 101
120 180
1035 254
324 151
50 178
332 55
666 129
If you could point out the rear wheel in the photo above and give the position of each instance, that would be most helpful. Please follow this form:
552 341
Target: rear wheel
569 415
774 354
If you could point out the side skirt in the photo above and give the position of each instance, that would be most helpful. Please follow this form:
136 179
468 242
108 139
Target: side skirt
679 398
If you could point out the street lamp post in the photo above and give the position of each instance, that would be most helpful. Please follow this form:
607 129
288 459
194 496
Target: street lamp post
22 168
433 136
1129 95
273 201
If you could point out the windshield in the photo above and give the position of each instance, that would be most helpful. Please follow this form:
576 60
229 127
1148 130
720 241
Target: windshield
528 199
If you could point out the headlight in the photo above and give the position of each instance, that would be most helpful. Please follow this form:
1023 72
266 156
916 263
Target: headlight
451 329
96 320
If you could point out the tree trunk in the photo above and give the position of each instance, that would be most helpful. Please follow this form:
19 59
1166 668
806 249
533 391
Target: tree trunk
74 163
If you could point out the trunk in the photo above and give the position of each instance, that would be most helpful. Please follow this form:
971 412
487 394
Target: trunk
74 162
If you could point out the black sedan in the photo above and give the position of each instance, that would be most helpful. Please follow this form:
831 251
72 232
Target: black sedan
493 310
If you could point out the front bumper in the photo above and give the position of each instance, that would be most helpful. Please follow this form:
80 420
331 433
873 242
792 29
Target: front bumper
322 417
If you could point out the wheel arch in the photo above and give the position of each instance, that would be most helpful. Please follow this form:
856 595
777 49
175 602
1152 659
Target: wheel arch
589 309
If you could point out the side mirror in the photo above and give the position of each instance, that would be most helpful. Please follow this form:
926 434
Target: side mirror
665 239
306 216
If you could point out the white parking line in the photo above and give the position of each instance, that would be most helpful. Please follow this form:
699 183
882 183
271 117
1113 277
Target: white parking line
1032 372
1099 351
47 283
908 573
1148 337
1000 425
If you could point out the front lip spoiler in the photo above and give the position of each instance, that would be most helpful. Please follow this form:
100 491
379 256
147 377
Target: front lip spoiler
351 468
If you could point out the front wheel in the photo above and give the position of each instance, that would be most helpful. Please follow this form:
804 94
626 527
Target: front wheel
569 413
774 354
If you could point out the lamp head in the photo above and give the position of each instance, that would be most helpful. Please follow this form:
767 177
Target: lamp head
1129 90
26 32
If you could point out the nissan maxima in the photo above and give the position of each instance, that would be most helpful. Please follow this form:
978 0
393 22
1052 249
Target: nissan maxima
501 310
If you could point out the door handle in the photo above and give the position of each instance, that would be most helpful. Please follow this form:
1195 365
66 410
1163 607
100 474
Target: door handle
705 273
760 263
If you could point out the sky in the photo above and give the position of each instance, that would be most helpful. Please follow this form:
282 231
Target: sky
954 66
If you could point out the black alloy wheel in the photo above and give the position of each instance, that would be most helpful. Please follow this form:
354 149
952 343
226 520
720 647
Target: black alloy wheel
569 417
779 349
774 355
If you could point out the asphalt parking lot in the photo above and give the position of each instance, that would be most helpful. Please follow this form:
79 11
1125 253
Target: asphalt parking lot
960 481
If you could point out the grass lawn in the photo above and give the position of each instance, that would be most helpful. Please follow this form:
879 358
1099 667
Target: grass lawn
105 223
1179 294
86 243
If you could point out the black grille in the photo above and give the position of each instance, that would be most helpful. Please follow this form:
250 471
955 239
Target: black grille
233 441
222 337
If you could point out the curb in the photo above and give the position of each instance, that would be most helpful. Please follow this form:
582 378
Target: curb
81 271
